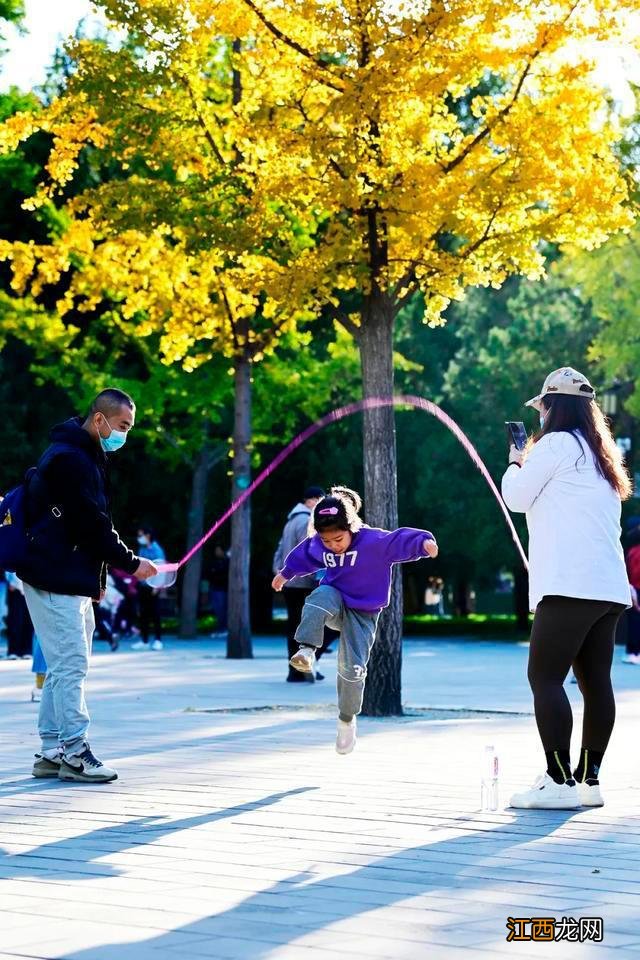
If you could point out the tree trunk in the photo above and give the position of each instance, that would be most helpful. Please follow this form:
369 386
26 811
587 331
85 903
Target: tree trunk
239 641
383 688
195 528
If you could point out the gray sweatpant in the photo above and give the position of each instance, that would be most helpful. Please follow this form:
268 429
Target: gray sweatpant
64 626
357 629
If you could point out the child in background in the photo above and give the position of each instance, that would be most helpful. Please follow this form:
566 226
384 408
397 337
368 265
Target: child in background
148 595
357 561
19 626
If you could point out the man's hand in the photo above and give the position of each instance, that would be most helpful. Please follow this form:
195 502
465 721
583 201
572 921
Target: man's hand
145 570
278 582
102 595
431 548
515 455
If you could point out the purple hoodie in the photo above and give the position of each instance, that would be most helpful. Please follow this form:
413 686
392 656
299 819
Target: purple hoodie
363 573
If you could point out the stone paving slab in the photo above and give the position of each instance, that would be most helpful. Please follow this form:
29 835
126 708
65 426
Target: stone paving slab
235 831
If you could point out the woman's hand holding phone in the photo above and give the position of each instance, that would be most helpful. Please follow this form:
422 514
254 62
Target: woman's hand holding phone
515 456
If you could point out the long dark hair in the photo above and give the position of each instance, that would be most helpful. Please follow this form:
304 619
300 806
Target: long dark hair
338 511
563 412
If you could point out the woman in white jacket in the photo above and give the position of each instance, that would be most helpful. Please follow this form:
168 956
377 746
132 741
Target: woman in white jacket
570 481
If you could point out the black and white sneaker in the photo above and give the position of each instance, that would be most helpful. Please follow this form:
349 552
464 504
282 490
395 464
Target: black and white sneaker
47 764
85 768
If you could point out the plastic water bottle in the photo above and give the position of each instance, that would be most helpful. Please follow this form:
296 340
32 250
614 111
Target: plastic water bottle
489 785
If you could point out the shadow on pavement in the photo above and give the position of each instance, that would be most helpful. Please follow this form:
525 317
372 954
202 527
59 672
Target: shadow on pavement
308 904
87 848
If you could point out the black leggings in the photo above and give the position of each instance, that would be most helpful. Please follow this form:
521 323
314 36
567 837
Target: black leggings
567 631
149 612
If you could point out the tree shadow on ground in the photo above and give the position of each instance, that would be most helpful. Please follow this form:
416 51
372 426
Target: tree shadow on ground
75 857
304 903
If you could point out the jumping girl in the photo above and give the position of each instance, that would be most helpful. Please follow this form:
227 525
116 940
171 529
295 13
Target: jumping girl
357 561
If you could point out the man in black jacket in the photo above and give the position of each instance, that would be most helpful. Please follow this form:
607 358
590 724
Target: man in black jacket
72 539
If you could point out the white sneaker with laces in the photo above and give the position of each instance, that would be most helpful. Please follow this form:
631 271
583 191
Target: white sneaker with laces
85 768
346 736
140 645
304 660
589 793
157 645
546 794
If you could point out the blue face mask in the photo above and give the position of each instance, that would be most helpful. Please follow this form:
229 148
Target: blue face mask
115 440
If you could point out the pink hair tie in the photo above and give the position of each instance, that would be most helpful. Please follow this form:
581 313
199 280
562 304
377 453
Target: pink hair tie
331 511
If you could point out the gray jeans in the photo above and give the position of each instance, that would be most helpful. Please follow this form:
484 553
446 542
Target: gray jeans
64 626
357 629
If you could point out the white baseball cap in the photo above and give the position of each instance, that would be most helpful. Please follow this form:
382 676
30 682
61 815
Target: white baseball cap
567 381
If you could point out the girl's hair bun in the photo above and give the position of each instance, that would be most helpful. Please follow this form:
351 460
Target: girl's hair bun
351 495
338 511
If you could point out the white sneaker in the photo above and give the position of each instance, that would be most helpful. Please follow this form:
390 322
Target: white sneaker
546 794
589 794
157 645
36 695
346 736
140 645
632 658
85 768
304 660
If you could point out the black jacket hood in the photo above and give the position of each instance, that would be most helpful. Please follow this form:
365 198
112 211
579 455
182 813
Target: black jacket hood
71 432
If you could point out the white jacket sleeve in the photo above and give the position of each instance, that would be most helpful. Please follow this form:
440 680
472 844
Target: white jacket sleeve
522 485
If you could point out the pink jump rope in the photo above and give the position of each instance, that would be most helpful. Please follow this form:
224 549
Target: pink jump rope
170 570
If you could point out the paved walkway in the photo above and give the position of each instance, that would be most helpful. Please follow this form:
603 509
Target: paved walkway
236 832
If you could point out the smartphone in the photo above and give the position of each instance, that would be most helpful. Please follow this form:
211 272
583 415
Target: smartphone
516 433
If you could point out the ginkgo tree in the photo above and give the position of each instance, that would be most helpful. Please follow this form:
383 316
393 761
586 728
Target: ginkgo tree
417 146
444 141
180 251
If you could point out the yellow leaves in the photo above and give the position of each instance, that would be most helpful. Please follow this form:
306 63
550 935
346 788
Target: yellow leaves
16 129
457 137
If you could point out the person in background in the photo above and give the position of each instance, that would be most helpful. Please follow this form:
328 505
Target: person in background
218 575
19 626
126 616
298 589
434 596
570 481
39 669
632 615
105 613
148 596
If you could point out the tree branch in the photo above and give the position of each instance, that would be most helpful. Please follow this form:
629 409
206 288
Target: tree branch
335 313
290 42
171 440
448 167
215 456
207 133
